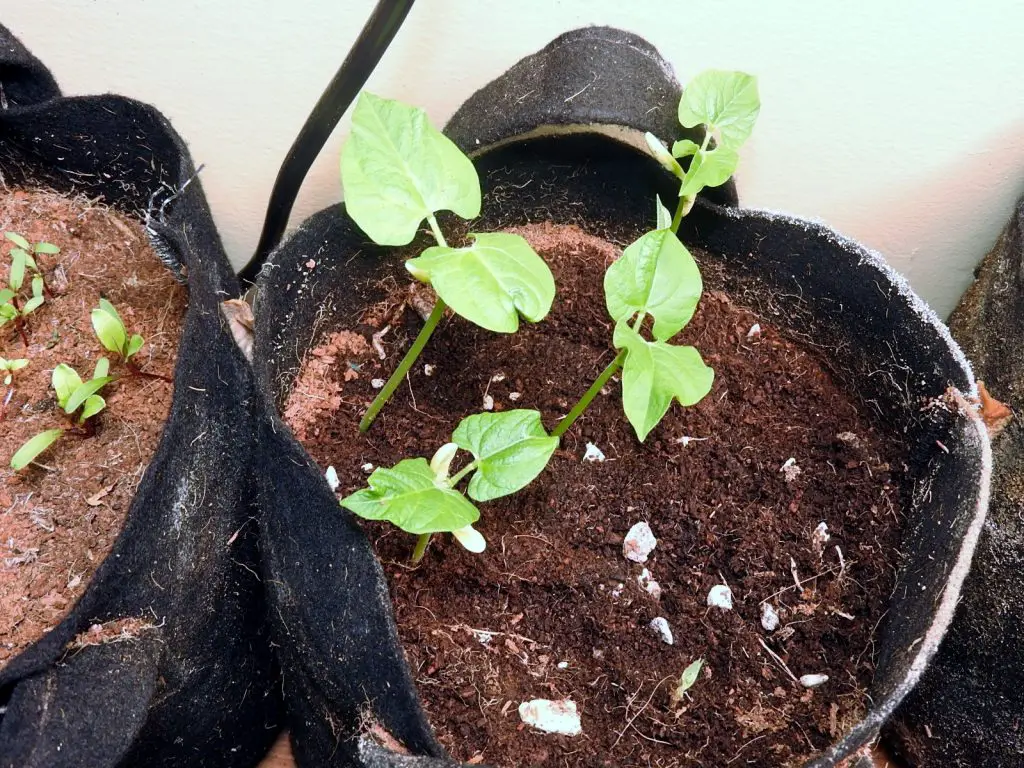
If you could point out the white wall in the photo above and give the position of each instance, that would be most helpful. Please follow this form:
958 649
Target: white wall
900 124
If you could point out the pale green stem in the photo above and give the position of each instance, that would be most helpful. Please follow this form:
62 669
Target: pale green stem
461 474
686 203
405 366
597 386
414 351
421 547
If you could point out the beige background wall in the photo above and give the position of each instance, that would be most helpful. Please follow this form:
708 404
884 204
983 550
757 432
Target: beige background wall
899 123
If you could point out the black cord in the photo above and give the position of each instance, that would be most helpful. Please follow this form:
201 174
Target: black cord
367 51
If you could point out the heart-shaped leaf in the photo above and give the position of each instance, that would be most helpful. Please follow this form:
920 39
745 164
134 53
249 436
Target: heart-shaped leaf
397 169
658 276
726 102
408 496
653 374
510 449
491 282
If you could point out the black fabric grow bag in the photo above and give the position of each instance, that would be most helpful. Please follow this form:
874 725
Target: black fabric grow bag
336 631
197 691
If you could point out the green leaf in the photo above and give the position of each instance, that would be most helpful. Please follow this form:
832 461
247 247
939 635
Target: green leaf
13 365
709 169
663 156
65 381
490 282
6 294
397 169
93 405
664 216
407 496
18 240
726 102
17 274
685 148
37 287
26 257
84 391
101 369
510 449
686 680
134 345
30 450
45 248
109 328
653 374
658 276
32 305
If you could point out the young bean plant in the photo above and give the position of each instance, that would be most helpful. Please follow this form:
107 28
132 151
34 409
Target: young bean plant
396 171
73 396
509 450
657 276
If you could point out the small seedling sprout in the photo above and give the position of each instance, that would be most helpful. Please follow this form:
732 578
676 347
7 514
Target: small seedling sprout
657 276
72 394
11 308
110 330
686 681
509 450
29 254
9 367
396 171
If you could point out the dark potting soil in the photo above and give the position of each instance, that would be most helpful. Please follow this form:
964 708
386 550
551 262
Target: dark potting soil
734 489
60 517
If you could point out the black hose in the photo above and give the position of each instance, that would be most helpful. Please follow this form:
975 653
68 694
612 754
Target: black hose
368 49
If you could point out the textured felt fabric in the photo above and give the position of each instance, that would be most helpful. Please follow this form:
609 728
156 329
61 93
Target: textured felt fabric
841 297
201 689
968 708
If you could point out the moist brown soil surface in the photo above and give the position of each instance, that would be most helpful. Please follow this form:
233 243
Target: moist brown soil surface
58 521
553 610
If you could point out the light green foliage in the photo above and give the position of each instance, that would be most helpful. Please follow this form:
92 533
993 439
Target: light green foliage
726 103
491 282
10 366
72 394
23 260
653 374
110 330
410 496
510 450
663 156
397 170
657 276
33 447
686 680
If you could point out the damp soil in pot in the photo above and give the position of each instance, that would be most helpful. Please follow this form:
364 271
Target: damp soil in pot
60 515
779 485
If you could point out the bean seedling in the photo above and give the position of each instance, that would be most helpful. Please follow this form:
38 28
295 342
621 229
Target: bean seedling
72 394
396 171
657 276
509 450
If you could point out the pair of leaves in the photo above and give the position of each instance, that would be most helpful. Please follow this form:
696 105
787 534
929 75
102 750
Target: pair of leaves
656 276
9 312
72 394
110 330
727 105
510 449
396 171
10 366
